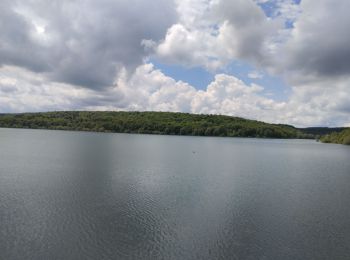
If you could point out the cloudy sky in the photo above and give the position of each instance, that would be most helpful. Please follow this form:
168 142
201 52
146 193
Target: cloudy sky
281 61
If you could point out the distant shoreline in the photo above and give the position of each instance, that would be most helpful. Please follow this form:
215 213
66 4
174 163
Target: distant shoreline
150 134
160 123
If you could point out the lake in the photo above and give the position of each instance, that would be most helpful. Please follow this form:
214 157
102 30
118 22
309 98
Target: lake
79 195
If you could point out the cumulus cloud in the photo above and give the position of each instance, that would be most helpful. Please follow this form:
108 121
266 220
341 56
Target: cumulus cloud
320 103
190 48
319 42
306 44
149 89
298 41
211 33
80 42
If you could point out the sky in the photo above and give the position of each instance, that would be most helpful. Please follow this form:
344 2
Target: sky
278 61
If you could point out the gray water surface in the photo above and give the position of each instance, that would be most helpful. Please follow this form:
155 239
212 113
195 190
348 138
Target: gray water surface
76 195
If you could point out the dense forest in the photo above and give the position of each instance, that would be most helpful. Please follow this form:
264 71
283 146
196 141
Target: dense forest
342 137
152 123
320 131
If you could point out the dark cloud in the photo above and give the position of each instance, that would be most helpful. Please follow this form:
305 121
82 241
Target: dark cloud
319 43
249 28
16 45
80 42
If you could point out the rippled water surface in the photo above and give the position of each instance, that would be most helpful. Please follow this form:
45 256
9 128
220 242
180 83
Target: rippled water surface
74 195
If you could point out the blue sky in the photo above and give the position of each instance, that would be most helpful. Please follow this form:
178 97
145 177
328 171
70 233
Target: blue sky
274 87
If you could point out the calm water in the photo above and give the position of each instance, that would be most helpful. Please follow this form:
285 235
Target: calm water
74 195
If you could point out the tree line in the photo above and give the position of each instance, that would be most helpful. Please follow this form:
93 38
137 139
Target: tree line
342 137
152 123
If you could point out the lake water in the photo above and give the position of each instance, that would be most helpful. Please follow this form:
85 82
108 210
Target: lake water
76 195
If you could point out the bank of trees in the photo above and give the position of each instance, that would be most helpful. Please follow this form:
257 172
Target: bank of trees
151 123
342 137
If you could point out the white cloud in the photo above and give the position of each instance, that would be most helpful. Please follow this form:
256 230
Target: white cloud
190 47
211 33
146 89
149 89
82 43
22 91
